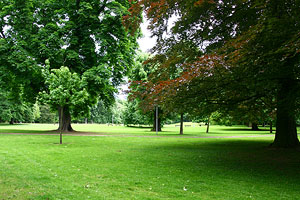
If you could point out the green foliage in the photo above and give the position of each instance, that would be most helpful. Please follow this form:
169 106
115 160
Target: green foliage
117 112
100 113
87 36
46 115
13 109
111 114
222 119
65 89
140 71
132 115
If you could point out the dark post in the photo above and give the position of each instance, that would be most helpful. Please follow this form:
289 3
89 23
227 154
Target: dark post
61 116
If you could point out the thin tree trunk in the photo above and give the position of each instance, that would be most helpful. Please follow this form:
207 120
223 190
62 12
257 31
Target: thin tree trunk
65 120
60 121
207 127
271 127
154 121
181 124
12 121
286 131
254 126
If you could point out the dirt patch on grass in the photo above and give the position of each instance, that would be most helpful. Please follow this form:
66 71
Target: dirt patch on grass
78 133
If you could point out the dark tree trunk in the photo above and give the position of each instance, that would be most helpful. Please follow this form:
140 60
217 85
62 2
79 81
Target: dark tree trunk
207 127
286 130
181 124
12 121
159 121
254 127
65 120
271 127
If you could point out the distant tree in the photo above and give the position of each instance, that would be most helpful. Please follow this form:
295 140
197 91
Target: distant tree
46 114
13 109
101 113
132 114
112 113
117 112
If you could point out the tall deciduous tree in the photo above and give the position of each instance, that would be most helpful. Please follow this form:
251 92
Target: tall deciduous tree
88 36
250 52
66 92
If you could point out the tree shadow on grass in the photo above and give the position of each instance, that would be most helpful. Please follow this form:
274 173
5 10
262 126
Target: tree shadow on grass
13 124
140 127
244 129
248 158
22 131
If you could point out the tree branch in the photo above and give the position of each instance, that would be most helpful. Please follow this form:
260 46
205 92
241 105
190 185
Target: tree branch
77 4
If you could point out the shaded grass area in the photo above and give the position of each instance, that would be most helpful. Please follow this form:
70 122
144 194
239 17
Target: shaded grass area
34 167
168 130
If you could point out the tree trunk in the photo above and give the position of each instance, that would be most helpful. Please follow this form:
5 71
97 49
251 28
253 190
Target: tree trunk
286 131
271 127
159 121
12 121
254 127
65 120
207 127
181 124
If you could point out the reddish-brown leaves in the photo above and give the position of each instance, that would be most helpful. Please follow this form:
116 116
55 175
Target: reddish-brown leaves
165 91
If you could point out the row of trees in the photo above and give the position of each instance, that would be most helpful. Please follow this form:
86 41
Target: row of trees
119 112
238 58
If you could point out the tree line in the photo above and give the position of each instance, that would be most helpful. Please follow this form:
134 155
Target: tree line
234 58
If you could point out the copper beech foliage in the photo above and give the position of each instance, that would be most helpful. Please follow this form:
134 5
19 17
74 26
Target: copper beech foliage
224 52
164 92
160 88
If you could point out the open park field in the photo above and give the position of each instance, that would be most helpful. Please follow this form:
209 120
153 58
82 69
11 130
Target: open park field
131 164
149 61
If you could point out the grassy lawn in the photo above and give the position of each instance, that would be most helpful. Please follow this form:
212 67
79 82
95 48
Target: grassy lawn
36 167
168 130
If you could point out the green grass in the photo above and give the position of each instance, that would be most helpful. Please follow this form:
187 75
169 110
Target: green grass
168 130
36 167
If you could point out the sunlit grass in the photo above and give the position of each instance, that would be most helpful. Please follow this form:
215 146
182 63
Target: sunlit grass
167 130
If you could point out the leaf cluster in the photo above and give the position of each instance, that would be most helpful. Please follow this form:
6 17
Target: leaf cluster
65 89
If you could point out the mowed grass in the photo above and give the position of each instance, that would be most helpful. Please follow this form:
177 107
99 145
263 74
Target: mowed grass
168 130
36 167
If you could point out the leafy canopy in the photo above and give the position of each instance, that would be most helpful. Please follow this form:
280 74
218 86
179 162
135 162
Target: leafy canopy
87 36
65 89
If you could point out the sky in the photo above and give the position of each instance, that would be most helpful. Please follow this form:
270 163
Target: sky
145 43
